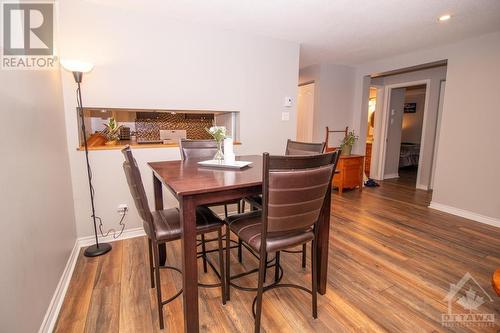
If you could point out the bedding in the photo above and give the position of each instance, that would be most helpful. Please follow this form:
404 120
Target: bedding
408 155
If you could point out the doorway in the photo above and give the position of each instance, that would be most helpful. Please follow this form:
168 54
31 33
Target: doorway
405 111
305 112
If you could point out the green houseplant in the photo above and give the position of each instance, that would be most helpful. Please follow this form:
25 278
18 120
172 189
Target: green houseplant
347 143
112 131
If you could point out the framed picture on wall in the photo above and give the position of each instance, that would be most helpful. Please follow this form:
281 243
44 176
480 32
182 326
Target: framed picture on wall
410 108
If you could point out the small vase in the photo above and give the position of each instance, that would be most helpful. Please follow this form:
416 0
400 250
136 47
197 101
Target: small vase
219 155
346 150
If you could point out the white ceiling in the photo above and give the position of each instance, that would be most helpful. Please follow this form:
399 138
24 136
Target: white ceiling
337 31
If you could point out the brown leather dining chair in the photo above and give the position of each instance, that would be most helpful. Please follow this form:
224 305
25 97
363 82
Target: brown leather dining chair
206 149
293 148
294 189
164 226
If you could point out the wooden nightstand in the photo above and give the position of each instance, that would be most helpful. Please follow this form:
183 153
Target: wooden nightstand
350 172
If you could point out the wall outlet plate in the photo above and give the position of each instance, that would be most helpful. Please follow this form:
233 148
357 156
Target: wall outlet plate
285 115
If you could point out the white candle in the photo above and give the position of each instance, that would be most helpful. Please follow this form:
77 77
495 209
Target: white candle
228 149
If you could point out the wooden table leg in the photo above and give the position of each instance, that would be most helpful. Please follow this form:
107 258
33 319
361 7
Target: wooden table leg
189 264
323 241
361 175
158 191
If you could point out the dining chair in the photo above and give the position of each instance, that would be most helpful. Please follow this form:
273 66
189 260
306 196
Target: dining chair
294 189
327 137
164 226
292 148
207 149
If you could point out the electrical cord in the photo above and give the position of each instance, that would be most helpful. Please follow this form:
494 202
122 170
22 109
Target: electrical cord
115 236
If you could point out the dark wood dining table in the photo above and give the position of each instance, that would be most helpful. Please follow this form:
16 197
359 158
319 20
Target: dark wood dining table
194 185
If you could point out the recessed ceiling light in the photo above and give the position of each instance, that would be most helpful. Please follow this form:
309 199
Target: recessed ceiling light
443 18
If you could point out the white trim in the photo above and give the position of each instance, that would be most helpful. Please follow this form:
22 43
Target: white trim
442 91
50 319
128 233
466 214
391 176
381 139
422 187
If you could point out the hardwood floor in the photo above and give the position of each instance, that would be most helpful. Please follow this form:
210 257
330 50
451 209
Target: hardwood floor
391 264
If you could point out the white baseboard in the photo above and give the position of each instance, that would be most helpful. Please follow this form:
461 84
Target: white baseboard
127 233
50 319
422 187
391 176
466 214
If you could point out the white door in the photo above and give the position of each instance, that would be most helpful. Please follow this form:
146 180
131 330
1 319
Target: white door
305 110
393 139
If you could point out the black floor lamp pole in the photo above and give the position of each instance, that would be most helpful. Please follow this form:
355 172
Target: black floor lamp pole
96 249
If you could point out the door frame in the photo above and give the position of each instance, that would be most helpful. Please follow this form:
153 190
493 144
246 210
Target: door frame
380 134
442 91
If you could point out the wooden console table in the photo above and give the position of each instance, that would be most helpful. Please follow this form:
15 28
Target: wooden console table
349 172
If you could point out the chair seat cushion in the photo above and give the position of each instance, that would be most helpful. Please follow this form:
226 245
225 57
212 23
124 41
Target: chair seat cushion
168 226
248 227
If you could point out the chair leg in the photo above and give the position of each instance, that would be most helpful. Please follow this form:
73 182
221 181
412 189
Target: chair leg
204 253
225 211
276 268
158 285
265 271
221 267
304 252
260 291
239 206
243 206
314 275
151 266
228 263
240 253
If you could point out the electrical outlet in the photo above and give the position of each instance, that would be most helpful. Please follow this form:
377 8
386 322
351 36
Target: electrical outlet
122 208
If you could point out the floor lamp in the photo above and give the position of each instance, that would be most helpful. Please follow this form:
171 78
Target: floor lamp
78 68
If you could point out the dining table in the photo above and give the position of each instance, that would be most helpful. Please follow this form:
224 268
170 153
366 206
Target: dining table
194 185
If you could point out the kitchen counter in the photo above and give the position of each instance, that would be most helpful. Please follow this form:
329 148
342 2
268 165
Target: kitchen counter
122 143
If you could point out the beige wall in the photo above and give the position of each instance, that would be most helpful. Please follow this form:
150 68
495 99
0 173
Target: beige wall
468 163
145 61
468 157
36 200
334 87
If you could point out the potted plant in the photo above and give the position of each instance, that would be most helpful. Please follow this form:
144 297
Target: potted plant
346 144
112 132
219 134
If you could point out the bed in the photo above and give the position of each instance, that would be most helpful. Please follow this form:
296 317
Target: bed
408 155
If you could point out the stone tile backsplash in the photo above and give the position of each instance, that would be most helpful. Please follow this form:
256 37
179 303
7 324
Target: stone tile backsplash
149 129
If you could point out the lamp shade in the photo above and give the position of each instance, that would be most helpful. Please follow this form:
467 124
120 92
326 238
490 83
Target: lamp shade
76 66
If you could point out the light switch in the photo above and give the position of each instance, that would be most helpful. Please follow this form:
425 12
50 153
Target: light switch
285 116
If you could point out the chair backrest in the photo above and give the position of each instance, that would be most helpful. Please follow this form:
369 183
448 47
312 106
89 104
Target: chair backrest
303 148
136 187
197 148
294 190
327 137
